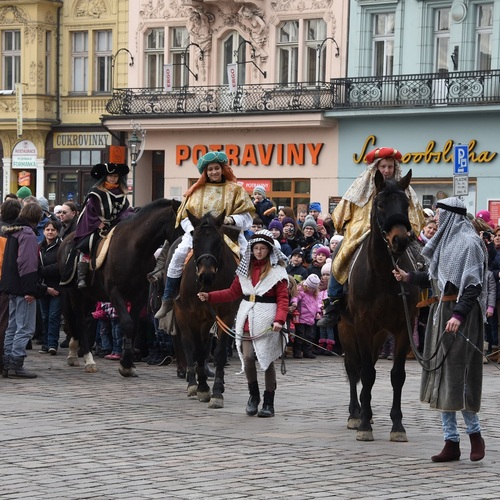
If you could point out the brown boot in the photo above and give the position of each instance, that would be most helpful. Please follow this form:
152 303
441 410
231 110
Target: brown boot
477 447
449 453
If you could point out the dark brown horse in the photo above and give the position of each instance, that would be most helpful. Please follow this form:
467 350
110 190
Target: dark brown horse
211 268
121 280
375 307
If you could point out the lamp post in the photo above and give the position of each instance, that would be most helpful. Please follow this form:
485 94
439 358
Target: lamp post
134 145
113 59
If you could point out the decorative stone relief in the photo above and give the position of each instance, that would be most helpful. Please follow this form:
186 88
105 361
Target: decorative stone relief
12 15
90 8
199 27
253 19
300 5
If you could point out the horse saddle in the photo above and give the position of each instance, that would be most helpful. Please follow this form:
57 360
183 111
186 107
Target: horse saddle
101 250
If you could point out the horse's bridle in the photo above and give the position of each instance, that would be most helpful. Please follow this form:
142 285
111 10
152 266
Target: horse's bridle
207 256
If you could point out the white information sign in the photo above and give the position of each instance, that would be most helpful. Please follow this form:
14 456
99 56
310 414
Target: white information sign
460 185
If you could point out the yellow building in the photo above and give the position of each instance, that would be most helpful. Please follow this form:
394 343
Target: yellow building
60 61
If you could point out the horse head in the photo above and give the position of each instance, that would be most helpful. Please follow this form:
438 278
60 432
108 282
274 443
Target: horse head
207 246
390 211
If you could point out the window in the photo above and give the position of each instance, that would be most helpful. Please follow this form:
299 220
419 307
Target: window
383 44
80 60
288 52
484 29
155 45
78 157
315 35
178 44
441 40
48 58
11 59
104 60
233 52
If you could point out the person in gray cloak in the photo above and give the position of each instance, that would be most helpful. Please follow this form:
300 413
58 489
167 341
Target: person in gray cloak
452 380
262 282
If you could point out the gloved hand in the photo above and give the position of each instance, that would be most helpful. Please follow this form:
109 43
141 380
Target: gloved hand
228 220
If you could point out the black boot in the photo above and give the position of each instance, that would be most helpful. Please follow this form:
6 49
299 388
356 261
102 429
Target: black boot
6 365
267 409
449 453
17 369
82 269
331 312
254 399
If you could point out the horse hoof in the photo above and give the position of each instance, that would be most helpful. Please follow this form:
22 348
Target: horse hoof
203 397
353 423
191 391
127 372
91 368
73 361
399 437
216 403
364 436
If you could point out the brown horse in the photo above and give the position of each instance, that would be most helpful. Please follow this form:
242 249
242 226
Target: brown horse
121 280
211 267
375 308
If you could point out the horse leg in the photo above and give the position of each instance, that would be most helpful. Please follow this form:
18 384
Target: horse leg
203 389
398 377
126 367
352 364
188 350
368 374
217 399
89 329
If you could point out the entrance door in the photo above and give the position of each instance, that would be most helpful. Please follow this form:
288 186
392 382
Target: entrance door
61 186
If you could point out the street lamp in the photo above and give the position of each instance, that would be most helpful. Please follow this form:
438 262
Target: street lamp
134 145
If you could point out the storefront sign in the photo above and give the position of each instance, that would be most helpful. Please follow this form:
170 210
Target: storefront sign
117 154
24 155
494 210
255 154
249 186
430 153
81 140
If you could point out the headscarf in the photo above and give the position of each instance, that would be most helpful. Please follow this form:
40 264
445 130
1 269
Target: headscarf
456 253
275 255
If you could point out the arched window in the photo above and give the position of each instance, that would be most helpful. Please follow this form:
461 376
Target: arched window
231 54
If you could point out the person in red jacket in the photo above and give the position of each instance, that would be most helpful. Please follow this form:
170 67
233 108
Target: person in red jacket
262 282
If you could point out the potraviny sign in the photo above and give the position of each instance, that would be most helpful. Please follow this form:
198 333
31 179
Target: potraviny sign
24 155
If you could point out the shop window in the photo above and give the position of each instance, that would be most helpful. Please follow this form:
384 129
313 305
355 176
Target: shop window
80 157
11 58
154 57
290 193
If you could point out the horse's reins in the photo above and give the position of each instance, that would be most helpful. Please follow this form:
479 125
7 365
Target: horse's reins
421 360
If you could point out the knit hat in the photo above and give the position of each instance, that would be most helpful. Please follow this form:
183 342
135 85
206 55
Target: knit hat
327 268
297 251
323 250
57 209
336 237
379 153
103 169
24 192
262 236
260 190
482 214
44 203
287 220
428 212
211 157
309 222
312 282
275 224
315 205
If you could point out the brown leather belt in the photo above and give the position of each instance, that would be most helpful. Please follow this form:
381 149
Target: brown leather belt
433 300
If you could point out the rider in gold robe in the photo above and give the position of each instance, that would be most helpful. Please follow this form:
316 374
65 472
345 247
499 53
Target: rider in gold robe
215 191
351 218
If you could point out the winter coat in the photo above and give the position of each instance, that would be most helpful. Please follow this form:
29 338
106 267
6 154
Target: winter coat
298 272
48 269
265 207
308 306
20 261
445 388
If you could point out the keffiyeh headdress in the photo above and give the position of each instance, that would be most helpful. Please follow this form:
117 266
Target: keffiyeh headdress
275 254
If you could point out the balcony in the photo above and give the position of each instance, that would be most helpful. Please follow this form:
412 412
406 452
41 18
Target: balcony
464 88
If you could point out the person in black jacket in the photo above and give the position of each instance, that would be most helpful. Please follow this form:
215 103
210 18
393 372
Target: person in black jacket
50 301
20 281
264 207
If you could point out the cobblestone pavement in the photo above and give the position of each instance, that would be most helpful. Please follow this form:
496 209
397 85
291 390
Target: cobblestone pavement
72 435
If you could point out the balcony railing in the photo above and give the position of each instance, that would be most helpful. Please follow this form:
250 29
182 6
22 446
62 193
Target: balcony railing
463 88
218 99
